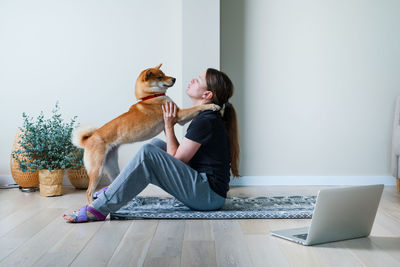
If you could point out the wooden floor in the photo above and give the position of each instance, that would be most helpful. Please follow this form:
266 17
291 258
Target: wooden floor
32 232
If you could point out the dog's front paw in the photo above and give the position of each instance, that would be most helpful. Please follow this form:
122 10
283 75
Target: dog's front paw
213 107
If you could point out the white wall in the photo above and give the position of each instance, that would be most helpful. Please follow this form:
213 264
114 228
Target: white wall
201 38
316 82
88 54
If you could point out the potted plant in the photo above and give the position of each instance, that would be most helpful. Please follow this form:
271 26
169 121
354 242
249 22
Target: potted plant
27 179
45 145
77 174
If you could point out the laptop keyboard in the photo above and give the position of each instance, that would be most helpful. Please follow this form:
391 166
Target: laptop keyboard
302 236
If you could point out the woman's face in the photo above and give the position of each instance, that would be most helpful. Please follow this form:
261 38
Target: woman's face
197 87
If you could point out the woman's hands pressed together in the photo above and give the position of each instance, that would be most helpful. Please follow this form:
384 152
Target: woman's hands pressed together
170 112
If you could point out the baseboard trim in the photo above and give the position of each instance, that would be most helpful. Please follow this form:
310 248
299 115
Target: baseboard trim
280 180
312 180
7 179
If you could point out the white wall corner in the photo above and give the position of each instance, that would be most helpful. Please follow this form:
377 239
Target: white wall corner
200 41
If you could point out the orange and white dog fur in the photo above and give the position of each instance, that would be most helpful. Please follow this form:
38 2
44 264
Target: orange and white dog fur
143 121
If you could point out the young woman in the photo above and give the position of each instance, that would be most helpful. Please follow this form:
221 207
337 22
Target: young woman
197 171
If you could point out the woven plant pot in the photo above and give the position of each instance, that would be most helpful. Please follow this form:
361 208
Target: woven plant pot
78 178
24 179
50 182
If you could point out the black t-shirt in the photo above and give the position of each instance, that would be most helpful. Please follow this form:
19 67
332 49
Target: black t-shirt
212 158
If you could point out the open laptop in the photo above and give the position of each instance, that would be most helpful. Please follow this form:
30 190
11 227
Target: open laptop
339 214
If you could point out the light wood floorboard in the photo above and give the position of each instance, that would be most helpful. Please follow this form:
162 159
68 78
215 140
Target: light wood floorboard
33 233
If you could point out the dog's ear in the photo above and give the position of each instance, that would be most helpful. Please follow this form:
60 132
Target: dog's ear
148 74
158 66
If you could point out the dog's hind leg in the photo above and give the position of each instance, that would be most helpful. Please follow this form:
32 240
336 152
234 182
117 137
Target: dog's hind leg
93 163
111 163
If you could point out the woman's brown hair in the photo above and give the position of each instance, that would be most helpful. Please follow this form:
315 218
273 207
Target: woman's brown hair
222 88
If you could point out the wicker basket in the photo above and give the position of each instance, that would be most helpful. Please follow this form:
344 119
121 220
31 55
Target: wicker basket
78 178
23 179
51 182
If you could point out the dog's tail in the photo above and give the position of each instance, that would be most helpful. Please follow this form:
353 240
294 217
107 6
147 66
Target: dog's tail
80 134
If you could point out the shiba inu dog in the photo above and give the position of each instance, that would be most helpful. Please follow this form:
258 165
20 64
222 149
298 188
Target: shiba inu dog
142 121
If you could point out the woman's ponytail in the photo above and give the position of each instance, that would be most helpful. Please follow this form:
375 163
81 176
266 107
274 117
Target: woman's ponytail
222 88
231 126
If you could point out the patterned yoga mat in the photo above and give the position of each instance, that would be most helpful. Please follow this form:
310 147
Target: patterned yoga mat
285 207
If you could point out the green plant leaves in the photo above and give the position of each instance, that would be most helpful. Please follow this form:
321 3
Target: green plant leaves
46 143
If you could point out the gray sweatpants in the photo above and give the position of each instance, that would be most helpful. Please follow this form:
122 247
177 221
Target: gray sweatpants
153 165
